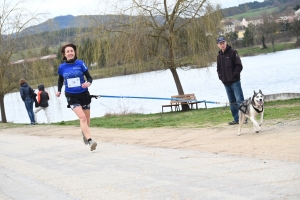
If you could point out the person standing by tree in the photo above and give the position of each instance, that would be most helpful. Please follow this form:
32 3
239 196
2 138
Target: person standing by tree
42 101
229 67
71 72
27 95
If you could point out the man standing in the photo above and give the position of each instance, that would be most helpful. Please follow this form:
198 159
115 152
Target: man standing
26 93
229 67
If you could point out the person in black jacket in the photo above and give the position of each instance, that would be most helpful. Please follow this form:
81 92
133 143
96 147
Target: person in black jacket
28 99
229 67
42 100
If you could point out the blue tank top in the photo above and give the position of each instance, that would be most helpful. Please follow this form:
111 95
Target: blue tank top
73 76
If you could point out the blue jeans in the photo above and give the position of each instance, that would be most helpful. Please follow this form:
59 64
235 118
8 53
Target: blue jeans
29 108
235 95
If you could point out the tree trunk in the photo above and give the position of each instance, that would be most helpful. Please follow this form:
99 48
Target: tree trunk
177 81
180 91
3 115
172 67
273 45
264 46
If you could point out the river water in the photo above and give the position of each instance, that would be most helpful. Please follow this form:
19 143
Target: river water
272 73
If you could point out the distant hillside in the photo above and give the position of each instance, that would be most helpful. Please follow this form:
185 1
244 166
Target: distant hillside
67 22
60 29
70 21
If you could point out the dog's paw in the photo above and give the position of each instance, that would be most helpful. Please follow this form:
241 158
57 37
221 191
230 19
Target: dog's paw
238 134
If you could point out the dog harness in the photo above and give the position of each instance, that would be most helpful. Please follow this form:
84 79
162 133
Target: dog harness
258 111
245 105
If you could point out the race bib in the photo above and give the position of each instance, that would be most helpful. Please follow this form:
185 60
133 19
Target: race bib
73 82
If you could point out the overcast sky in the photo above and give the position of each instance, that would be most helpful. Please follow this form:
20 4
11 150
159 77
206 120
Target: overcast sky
54 8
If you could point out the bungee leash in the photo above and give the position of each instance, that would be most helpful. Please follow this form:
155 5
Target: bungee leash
136 97
157 98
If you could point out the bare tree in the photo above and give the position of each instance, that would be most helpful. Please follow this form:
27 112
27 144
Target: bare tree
165 35
272 30
268 29
13 20
262 29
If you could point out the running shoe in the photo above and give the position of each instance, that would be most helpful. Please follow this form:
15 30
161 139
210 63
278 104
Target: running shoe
93 145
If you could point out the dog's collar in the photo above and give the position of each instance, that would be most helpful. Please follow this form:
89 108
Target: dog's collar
258 111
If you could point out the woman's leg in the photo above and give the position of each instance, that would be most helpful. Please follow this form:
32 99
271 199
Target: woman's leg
29 110
88 116
84 122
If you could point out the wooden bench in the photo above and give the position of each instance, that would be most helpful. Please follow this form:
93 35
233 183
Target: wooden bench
173 103
193 101
178 100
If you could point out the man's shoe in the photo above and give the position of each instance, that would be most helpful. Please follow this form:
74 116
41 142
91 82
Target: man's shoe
93 145
84 139
233 123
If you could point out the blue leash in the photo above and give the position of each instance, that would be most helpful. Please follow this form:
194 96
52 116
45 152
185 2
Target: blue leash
157 98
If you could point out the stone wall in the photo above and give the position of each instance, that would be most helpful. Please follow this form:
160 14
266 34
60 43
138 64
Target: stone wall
281 96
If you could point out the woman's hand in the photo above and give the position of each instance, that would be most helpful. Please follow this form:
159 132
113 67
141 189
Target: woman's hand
86 85
58 94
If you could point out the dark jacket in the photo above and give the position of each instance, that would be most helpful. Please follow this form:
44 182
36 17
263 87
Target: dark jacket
42 96
24 92
229 66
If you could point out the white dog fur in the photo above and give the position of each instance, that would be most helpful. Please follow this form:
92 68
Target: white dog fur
252 110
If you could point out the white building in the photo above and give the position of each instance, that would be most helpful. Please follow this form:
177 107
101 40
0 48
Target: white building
227 27
254 21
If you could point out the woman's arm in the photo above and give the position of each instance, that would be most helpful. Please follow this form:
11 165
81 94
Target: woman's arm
88 76
59 85
22 94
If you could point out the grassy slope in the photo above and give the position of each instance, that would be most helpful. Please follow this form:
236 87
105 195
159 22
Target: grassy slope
251 51
286 110
253 13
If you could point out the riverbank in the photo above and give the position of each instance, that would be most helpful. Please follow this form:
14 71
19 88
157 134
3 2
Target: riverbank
197 118
257 50
263 72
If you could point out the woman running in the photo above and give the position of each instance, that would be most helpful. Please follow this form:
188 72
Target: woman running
71 73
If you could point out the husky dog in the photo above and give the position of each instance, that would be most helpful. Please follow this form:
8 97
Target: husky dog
250 109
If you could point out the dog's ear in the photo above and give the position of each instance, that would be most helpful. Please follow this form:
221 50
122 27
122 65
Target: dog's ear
254 94
260 91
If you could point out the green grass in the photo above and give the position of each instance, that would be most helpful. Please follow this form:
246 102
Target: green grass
10 125
279 110
253 13
252 51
